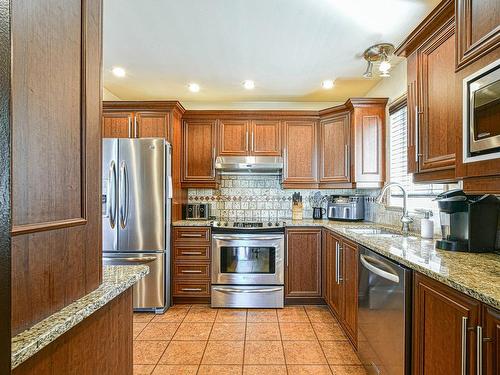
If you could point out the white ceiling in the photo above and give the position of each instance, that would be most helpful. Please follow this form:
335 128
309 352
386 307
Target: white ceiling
286 46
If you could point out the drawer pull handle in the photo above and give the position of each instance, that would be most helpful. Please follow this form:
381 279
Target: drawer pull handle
190 271
191 235
191 289
191 253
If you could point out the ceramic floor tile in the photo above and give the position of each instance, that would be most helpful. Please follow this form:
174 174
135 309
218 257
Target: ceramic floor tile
348 370
183 353
223 353
201 314
320 314
297 331
308 370
264 353
231 315
340 353
137 328
175 370
143 369
263 331
193 331
143 317
262 315
171 315
220 370
148 352
328 331
303 353
228 331
264 370
294 314
158 331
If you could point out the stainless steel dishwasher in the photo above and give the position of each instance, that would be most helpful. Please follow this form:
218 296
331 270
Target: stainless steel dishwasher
384 314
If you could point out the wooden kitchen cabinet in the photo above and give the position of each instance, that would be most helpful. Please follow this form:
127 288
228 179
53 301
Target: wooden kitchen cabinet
151 125
335 160
441 318
303 263
117 125
234 137
334 293
198 153
490 344
265 139
299 151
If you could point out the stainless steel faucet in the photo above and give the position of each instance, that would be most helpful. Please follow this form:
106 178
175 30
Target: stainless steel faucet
405 219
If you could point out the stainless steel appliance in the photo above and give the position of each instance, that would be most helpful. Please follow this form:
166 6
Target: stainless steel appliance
249 165
136 206
468 222
384 315
481 114
348 208
248 265
196 211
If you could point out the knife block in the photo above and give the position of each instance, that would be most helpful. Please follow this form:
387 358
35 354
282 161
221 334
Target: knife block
297 211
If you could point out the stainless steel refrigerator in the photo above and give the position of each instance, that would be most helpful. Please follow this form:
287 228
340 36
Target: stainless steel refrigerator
136 211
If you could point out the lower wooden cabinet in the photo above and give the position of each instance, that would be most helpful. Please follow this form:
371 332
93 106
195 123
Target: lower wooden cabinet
490 330
191 264
303 263
350 281
334 291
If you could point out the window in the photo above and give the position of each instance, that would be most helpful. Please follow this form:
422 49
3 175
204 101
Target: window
420 195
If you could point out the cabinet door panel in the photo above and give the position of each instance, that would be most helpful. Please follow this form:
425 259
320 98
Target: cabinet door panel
412 97
438 313
303 269
491 335
198 151
334 151
300 152
335 288
234 137
438 121
350 281
266 137
151 124
117 125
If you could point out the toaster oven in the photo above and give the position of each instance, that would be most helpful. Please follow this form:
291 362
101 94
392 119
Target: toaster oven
347 208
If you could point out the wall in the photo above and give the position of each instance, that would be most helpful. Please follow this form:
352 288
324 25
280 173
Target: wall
108 95
392 87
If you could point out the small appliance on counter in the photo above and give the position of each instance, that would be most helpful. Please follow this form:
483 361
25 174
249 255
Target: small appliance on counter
468 222
297 207
317 201
346 208
196 211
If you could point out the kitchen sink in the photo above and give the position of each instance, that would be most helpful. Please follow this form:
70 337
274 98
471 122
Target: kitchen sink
372 231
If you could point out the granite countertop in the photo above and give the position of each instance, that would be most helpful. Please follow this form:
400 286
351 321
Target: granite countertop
475 274
192 223
116 279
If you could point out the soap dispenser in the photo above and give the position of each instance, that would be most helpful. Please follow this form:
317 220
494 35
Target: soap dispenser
427 225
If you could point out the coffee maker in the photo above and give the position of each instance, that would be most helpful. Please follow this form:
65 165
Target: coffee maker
469 223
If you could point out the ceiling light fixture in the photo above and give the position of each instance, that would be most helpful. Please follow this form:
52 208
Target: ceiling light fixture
118 71
327 84
194 87
378 53
248 84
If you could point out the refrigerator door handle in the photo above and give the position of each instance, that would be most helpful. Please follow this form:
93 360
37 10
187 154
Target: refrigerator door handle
111 201
170 187
124 192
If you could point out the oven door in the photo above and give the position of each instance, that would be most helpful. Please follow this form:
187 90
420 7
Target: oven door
248 259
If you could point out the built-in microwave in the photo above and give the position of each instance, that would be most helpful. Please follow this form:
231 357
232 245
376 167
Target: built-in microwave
481 114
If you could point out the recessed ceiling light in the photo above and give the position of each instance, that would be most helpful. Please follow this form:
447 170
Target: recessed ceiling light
327 84
118 71
194 87
248 84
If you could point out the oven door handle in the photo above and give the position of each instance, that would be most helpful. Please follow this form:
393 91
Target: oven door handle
233 290
239 237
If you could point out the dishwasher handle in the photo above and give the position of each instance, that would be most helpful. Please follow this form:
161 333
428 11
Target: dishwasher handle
368 261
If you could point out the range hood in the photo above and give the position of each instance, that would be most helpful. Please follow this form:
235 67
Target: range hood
249 165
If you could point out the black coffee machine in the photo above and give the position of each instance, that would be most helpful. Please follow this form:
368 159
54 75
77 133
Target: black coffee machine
468 222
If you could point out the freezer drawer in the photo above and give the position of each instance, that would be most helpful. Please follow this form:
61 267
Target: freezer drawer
151 292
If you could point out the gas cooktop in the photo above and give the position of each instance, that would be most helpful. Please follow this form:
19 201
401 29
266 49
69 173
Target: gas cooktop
248 224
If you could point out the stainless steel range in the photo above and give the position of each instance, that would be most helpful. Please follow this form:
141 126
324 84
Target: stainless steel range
248 264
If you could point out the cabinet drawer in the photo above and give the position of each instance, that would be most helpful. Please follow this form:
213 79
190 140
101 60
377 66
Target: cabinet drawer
192 271
192 234
191 252
191 288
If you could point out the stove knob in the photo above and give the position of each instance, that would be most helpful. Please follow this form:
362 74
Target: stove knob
277 224
225 224
269 224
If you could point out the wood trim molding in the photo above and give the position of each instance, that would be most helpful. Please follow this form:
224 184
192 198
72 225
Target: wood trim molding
398 103
249 114
141 105
441 13
5 187
50 225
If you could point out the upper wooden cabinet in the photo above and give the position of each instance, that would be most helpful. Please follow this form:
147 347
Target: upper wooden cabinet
299 151
303 263
478 29
117 125
490 341
265 137
352 144
249 137
198 156
151 125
